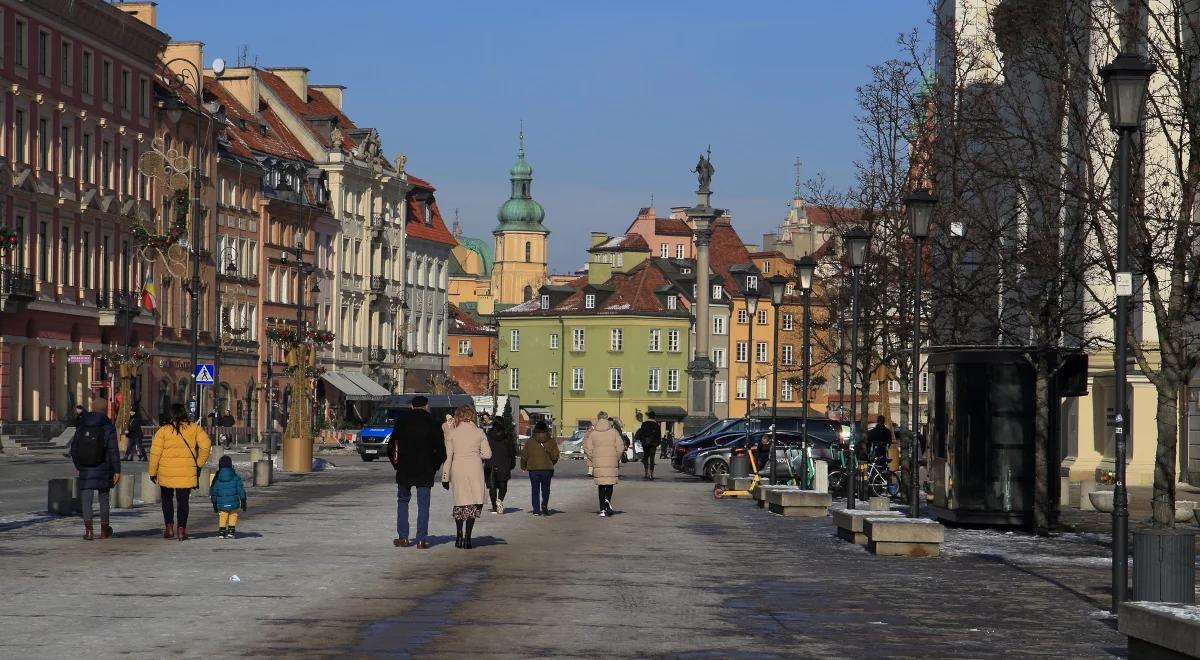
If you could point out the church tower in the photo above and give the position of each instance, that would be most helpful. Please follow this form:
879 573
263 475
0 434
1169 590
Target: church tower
520 267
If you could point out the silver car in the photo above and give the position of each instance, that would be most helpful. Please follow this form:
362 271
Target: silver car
572 447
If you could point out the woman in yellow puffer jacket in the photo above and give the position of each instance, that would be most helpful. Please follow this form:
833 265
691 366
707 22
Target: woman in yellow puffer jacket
176 454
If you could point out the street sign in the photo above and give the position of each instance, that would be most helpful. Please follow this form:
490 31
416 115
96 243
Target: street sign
1124 284
204 373
79 359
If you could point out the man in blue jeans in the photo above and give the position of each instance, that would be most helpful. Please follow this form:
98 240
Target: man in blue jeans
417 450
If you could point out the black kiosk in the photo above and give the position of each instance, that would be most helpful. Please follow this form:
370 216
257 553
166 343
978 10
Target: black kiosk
980 431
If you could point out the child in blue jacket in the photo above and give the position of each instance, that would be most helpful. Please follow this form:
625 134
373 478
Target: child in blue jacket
227 493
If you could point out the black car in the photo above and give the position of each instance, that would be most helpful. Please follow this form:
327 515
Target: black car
826 430
710 461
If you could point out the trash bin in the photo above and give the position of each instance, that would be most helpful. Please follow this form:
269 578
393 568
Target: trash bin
739 465
1164 563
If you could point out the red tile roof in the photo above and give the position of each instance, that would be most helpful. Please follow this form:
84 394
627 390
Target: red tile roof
671 227
316 104
463 323
415 225
278 140
726 249
626 243
829 215
632 293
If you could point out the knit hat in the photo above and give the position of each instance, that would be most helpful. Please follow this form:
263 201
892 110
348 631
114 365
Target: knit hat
225 462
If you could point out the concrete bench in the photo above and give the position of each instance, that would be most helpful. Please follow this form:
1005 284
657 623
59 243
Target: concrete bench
903 537
799 503
733 483
1160 630
759 492
851 523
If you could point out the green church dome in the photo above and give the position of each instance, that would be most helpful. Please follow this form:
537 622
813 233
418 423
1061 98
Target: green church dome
521 212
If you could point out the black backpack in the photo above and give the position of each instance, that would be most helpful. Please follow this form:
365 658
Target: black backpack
89 446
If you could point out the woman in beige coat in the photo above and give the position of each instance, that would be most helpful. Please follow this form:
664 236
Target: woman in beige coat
603 446
462 473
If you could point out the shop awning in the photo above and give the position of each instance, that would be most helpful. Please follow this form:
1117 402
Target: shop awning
668 412
355 386
536 410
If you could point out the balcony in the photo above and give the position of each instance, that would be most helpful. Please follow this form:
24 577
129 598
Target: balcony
378 227
376 354
377 283
16 289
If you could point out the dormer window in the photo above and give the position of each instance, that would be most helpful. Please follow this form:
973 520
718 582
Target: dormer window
545 301
672 302
717 291
789 289
766 267
428 213
686 271
589 301
751 282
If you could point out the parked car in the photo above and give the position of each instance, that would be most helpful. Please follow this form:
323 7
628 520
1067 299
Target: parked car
708 462
572 447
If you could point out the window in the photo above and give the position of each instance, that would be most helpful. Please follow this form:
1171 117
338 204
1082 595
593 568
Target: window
19 43
766 267
742 384
553 379
654 380
751 282
672 341
87 72
66 152
760 351
785 353
514 379
85 268
144 110
760 388
787 321
589 301
106 164
924 381
43 53
719 393
717 291
64 256
66 62
655 339
126 171
679 251
789 289
894 386
553 340
615 339
106 80
464 346
86 159
743 317
718 325
577 339
514 341
785 390
664 250
741 351
19 135
577 379
544 303
614 379
762 317
528 251
719 357
672 303
43 252
43 144
672 380
126 89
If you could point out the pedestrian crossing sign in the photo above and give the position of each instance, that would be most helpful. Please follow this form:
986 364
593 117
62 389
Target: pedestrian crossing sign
204 373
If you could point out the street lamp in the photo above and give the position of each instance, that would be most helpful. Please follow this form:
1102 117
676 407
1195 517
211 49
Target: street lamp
920 211
1126 80
751 309
857 240
778 286
805 266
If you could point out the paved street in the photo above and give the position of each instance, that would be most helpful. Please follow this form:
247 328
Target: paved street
676 574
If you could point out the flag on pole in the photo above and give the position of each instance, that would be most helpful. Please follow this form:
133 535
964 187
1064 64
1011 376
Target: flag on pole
148 300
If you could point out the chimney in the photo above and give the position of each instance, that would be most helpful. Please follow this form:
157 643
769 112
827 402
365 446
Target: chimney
296 78
243 84
333 92
646 213
190 51
598 237
146 12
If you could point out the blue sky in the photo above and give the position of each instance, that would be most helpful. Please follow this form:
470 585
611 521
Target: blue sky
618 97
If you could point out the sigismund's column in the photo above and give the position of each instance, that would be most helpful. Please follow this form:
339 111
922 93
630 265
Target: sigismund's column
701 369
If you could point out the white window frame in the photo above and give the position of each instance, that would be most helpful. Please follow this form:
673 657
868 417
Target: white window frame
553 379
788 321
615 379
719 391
741 351
655 342
514 379
717 291
679 250
672 303
718 325
553 340
743 317
924 381
719 358
751 282
789 289
577 379
761 317
785 390
578 339
514 341
741 387
664 251
464 346
616 340
760 352
672 380
545 301
654 380
589 301
760 388
672 341
786 354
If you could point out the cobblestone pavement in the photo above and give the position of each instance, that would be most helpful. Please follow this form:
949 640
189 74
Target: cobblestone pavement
675 574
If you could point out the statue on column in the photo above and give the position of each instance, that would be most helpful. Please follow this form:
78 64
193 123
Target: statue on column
704 171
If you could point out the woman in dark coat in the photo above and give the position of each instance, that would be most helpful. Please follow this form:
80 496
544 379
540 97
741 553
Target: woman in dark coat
96 456
498 469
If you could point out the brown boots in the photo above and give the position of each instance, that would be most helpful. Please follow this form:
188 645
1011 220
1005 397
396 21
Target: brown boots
87 530
169 531
105 531
182 534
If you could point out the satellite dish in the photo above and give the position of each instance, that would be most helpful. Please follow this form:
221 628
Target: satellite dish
218 67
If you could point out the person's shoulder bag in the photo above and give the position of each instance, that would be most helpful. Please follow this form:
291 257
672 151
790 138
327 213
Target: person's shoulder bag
195 452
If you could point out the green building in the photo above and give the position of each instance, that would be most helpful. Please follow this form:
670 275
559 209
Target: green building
615 340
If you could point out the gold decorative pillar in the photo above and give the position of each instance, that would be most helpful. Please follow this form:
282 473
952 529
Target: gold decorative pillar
298 436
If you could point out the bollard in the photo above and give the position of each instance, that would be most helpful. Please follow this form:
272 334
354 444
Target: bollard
821 476
214 456
204 481
62 496
148 490
879 504
262 473
123 497
1064 492
256 454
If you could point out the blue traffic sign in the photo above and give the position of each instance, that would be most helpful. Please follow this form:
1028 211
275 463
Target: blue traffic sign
205 372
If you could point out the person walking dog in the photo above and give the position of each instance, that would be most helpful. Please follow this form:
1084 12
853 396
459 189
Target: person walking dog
466 450
603 446
538 458
416 449
177 451
95 454
227 494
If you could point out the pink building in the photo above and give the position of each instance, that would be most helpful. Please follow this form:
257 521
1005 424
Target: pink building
668 238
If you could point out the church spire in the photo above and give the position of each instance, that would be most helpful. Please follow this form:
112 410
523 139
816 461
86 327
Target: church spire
521 212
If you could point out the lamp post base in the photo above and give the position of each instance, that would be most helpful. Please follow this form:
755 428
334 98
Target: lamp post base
297 454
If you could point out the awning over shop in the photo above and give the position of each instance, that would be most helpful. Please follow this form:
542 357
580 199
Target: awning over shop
355 386
668 412
536 410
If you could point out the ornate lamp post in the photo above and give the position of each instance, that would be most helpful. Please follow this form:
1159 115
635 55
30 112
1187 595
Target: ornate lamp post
920 211
751 310
805 266
778 284
857 241
1126 80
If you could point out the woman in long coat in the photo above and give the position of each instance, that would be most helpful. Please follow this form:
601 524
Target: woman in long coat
466 450
603 446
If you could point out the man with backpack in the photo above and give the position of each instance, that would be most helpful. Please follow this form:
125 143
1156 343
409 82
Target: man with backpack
95 455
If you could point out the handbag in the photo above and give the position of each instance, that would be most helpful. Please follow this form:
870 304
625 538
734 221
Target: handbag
195 455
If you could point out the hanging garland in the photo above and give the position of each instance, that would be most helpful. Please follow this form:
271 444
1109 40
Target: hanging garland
311 373
9 238
143 235
287 336
228 327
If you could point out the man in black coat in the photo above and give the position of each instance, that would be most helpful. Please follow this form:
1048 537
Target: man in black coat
650 435
879 438
416 449
96 456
